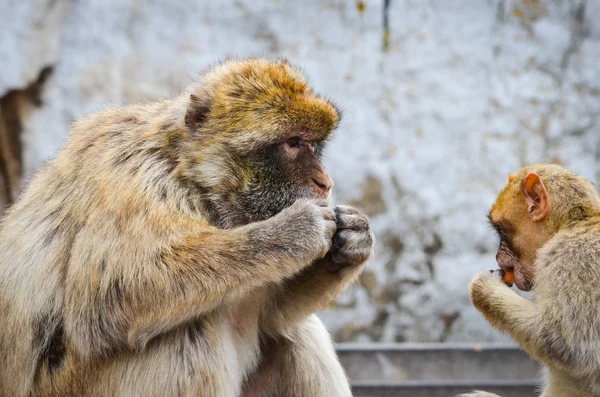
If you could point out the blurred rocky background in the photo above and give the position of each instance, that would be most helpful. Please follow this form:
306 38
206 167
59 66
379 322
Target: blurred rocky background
442 99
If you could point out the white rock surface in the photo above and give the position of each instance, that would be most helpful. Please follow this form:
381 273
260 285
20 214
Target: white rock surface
467 92
29 39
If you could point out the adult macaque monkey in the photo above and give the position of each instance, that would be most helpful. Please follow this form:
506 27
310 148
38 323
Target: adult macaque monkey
180 248
548 220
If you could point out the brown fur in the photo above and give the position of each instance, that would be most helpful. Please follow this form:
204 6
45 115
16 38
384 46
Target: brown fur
561 326
129 266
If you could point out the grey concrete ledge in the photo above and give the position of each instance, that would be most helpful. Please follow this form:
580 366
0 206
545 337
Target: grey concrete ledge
442 388
437 363
349 347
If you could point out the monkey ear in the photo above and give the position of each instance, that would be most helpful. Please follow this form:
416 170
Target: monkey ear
536 197
197 112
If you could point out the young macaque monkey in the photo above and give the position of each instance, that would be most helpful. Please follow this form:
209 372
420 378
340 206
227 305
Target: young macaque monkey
548 221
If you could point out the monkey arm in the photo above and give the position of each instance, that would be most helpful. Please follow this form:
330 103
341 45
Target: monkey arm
317 285
190 277
303 364
309 291
502 307
541 334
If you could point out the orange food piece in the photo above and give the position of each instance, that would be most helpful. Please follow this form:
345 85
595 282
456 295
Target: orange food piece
509 276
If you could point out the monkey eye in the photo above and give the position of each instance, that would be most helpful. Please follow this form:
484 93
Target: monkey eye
294 142
499 233
293 146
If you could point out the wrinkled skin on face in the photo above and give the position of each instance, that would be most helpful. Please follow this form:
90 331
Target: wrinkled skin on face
275 176
282 173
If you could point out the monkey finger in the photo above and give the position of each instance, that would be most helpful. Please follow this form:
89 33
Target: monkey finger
498 273
339 258
333 266
337 242
320 202
344 209
351 247
328 214
350 238
350 256
353 222
490 275
331 228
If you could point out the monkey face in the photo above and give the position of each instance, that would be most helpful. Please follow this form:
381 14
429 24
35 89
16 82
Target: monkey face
509 259
244 186
255 131
301 159
280 174
519 218
513 253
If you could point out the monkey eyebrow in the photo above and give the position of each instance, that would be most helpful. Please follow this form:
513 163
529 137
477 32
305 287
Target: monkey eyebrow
310 136
503 230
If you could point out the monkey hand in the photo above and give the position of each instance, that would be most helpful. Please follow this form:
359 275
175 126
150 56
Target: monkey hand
483 287
317 285
305 229
353 241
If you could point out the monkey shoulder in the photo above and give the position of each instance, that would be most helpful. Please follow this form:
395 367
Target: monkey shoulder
568 266
579 245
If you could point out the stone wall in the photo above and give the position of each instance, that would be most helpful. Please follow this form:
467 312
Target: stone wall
461 94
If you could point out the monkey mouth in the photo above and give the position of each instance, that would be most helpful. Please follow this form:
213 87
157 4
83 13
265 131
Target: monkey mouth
506 268
507 274
523 281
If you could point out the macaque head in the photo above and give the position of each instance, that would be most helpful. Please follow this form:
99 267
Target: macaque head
537 202
256 136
